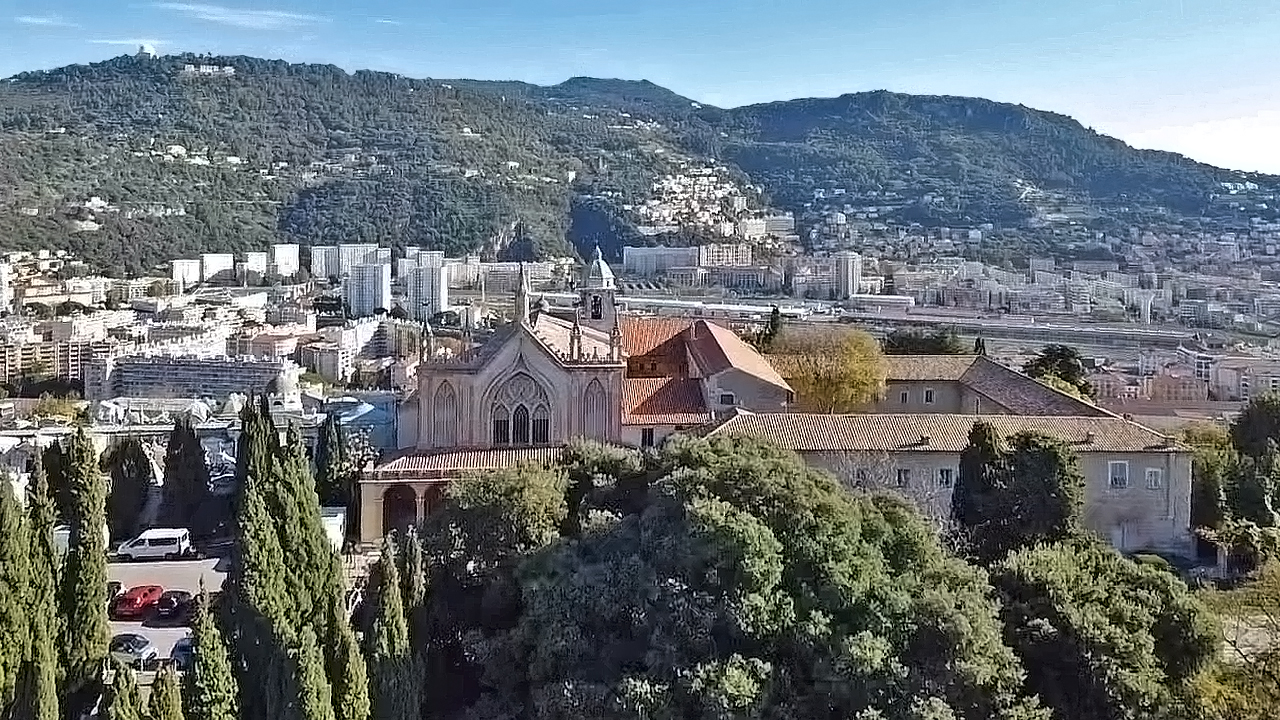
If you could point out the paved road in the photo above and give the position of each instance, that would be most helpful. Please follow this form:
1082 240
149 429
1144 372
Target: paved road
179 575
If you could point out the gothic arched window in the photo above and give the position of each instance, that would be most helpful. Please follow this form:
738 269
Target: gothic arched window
444 417
520 425
597 307
541 426
520 412
595 412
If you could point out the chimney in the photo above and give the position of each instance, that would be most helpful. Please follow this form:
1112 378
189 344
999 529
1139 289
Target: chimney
1088 438
924 439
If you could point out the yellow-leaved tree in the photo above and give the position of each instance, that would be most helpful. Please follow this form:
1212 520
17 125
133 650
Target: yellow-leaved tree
831 369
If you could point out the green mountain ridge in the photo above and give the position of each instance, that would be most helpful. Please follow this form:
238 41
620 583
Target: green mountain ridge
193 161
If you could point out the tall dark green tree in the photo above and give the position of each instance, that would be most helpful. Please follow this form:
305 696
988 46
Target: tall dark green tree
186 478
413 574
981 473
122 699
164 702
15 591
1062 362
394 680
128 468
347 670
209 688
331 464
1257 424
54 459
84 584
314 697
38 687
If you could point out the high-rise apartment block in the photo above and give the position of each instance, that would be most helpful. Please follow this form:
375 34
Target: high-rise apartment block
217 265
426 291
284 259
186 273
848 274
324 261
367 288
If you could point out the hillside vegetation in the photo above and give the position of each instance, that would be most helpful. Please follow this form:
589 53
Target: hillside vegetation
187 162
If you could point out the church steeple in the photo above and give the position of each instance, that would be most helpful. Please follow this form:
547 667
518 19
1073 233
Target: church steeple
522 297
597 293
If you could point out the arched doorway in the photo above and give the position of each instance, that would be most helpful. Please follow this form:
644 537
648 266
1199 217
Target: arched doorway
399 508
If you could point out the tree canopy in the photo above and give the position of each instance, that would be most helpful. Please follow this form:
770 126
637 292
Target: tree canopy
835 370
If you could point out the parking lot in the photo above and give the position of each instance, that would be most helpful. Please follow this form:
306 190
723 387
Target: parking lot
176 575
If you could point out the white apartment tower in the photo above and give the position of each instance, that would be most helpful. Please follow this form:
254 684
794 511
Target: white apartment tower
848 274
426 291
6 287
284 259
214 264
352 254
324 261
185 272
367 288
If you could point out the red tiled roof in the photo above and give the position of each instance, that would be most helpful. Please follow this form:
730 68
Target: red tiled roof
642 335
663 401
718 349
445 464
945 433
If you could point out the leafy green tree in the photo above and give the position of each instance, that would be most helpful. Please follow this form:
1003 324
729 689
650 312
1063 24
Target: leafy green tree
904 341
84 584
15 591
1062 362
413 574
209 688
55 468
593 468
129 469
1251 491
122 699
1015 493
164 702
186 479
1101 636
37 691
1256 425
748 585
393 674
1213 463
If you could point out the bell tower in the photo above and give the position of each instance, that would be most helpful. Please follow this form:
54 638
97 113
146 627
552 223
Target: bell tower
597 294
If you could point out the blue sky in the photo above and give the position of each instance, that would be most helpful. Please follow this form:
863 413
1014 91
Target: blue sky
1201 77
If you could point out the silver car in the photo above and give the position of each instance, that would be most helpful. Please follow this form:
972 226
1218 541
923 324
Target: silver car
133 649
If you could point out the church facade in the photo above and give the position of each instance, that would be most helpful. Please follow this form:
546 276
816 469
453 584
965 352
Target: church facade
546 378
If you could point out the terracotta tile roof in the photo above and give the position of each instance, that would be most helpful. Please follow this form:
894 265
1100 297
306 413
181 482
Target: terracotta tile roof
717 349
664 401
1021 395
445 464
929 368
642 335
555 333
946 433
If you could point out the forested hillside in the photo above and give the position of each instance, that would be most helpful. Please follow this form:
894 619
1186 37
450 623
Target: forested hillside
187 161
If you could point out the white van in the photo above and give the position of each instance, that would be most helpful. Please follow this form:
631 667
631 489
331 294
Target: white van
157 544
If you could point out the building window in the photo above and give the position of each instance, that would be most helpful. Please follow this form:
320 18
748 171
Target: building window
946 477
860 477
904 477
928 396
501 426
1118 471
597 308
1155 478
904 397
728 399
646 437
520 425
541 426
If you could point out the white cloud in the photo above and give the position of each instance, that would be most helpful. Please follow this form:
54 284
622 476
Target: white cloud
386 21
147 43
239 17
44 20
1239 143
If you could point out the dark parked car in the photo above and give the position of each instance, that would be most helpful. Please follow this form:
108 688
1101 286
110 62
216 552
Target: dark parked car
174 606
135 603
183 652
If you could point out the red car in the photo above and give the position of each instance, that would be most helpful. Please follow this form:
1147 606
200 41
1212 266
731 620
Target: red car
136 602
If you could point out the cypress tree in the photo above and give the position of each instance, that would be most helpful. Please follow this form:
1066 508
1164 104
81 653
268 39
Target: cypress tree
186 477
980 478
315 699
413 573
122 699
331 483
84 585
347 672
38 690
394 683
165 702
14 590
209 686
